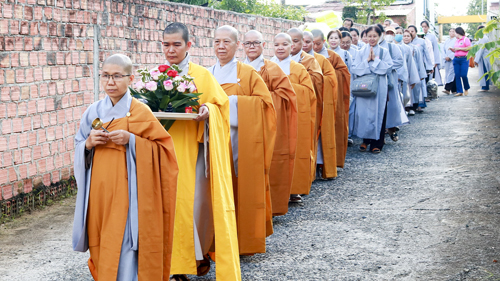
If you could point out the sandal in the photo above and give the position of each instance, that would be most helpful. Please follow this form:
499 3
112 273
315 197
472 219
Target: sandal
204 267
179 277
394 137
376 150
363 147
295 198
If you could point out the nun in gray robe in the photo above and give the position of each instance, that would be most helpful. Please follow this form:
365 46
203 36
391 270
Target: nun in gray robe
368 113
449 71
437 57
412 76
483 63
416 96
396 115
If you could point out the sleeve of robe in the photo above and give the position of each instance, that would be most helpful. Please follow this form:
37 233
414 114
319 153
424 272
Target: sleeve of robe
285 104
305 86
362 66
343 100
328 117
254 131
413 76
420 63
403 71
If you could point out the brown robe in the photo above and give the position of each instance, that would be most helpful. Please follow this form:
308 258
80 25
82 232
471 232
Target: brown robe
285 104
314 69
328 117
342 112
256 137
157 171
306 104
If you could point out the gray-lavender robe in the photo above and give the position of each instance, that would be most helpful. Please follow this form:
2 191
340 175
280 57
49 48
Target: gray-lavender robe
483 61
368 113
396 115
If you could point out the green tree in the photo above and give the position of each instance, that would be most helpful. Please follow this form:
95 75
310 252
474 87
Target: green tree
446 28
491 28
366 11
473 9
273 10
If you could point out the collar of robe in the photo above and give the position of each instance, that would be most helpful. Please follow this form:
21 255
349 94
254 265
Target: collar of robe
324 52
284 64
311 52
296 57
106 111
184 65
225 74
256 63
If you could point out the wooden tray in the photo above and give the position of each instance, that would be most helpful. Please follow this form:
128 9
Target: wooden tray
175 116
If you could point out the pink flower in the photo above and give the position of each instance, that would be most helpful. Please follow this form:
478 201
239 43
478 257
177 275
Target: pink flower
192 87
155 73
139 85
151 85
168 85
182 87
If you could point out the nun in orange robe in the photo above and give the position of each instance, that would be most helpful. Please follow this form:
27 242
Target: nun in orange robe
253 129
343 99
285 104
128 231
326 152
306 104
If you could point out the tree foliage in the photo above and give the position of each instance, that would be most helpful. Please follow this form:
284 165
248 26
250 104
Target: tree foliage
493 46
273 10
473 9
363 11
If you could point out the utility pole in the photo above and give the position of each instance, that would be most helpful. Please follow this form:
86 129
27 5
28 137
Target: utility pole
283 2
368 21
482 7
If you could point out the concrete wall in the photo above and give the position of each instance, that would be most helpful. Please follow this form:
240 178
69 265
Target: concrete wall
49 56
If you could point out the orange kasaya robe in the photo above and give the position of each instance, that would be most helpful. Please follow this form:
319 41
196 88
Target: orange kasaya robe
314 69
342 112
256 137
285 104
306 104
187 136
157 170
328 117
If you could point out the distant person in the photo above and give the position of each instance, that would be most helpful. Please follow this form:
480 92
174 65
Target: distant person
364 38
348 23
355 38
483 63
346 43
460 62
435 49
388 23
449 77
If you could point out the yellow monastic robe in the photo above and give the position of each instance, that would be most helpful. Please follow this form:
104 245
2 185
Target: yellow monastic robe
306 104
256 137
314 69
109 199
285 104
328 117
342 112
187 136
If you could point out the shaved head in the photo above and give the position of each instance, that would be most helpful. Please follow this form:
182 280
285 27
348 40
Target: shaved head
285 36
308 34
295 32
318 33
120 60
254 34
177 27
233 32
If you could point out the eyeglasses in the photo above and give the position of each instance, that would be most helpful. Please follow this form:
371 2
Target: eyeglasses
116 77
345 43
253 44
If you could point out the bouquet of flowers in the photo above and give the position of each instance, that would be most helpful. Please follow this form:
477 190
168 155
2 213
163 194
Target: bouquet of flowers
164 90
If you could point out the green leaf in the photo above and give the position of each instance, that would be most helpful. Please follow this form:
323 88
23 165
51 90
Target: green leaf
479 34
164 101
495 76
473 50
490 45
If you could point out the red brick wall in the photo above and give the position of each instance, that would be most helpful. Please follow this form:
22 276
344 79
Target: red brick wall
46 71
